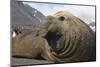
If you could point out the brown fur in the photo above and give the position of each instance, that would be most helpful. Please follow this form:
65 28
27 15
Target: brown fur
63 38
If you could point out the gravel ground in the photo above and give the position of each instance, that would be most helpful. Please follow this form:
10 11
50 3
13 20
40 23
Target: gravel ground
24 61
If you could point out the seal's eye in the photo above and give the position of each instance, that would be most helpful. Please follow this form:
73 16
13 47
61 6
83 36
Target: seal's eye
62 18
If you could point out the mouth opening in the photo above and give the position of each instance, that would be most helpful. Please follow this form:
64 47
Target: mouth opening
53 37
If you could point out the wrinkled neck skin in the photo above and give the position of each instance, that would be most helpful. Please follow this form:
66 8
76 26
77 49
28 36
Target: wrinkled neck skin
69 42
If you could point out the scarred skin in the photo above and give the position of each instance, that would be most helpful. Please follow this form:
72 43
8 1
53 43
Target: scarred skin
62 38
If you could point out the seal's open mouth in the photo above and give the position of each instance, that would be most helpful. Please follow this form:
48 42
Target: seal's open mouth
53 37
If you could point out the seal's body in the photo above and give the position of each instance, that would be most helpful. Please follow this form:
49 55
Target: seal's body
63 38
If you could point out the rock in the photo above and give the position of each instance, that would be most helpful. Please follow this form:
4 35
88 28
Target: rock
24 17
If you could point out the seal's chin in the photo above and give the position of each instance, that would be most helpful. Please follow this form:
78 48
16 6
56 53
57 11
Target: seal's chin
53 38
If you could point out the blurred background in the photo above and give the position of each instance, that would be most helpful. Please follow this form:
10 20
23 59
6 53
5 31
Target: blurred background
86 13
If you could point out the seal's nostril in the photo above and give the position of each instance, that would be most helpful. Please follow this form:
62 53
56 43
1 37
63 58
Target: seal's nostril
62 18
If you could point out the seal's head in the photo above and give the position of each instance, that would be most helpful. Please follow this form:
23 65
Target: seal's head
69 36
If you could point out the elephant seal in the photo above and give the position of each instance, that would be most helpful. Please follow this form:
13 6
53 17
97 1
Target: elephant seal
62 38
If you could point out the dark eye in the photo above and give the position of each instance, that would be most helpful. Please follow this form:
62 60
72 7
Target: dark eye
62 18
